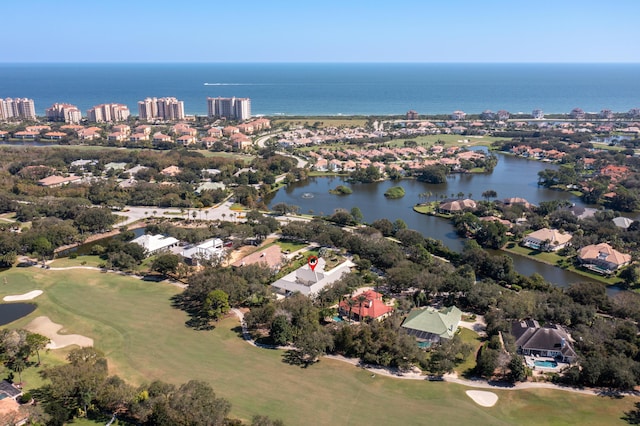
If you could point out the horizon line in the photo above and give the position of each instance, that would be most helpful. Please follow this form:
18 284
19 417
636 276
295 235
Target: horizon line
323 62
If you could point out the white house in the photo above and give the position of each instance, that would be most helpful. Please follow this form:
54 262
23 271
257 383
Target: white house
209 250
155 243
309 282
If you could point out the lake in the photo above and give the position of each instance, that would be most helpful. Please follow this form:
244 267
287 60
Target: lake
512 177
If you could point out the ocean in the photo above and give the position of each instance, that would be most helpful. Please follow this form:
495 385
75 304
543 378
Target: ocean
334 89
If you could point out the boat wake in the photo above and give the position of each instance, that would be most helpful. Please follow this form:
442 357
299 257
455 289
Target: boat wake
228 84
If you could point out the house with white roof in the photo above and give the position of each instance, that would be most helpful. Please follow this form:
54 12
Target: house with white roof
156 243
206 251
310 281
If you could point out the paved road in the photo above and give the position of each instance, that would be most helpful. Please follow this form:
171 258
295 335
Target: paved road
221 212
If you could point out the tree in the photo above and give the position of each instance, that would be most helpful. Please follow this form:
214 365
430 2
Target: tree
43 247
518 372
194 404
37 342
115 395
216 305
489 193
281 331
165 263
311 344
357 214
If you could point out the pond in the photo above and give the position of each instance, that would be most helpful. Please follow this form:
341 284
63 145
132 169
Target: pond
10 312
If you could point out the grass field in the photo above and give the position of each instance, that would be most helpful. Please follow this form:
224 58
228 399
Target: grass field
144 338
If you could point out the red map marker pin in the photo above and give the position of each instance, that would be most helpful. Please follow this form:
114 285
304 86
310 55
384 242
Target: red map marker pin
312 261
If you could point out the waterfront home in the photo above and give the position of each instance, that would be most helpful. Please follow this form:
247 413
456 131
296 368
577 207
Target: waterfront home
602 258
548 341
55 135
517 201
457 206
309 281
155 243
431 325
366 305
546 239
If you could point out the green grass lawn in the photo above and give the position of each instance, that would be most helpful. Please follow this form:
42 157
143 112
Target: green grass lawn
290 246
425 208
144 339
472 338
558 261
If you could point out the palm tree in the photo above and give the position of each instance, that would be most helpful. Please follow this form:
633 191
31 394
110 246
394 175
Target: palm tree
350 303
361 299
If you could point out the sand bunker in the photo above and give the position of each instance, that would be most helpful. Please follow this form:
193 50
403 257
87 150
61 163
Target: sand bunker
46 327
27 296
483 398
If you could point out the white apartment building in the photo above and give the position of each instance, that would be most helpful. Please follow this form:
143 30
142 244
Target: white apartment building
169 109
17 108
238 109
108 113
64 112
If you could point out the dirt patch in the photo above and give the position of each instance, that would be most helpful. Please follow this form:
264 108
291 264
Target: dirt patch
48 328
483 398
27 296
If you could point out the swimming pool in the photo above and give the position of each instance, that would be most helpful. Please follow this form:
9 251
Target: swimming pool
545 364
337 319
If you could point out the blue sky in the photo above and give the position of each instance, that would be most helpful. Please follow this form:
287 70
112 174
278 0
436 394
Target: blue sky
320 31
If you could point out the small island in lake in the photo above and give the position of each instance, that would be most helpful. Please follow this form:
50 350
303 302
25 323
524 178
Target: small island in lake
341 190
395 192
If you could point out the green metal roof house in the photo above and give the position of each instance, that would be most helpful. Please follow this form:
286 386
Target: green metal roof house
432 325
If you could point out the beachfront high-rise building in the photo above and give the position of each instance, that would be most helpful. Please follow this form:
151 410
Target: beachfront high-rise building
17 108
538 114
238 109
162 109
108 113
64 112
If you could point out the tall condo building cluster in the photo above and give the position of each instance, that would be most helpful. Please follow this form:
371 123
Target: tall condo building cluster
108 113
230 108
64 112
161 109
17 108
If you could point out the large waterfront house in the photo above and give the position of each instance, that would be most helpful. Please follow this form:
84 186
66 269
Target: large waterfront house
432 325
457 206
549 341
546 239
602 258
